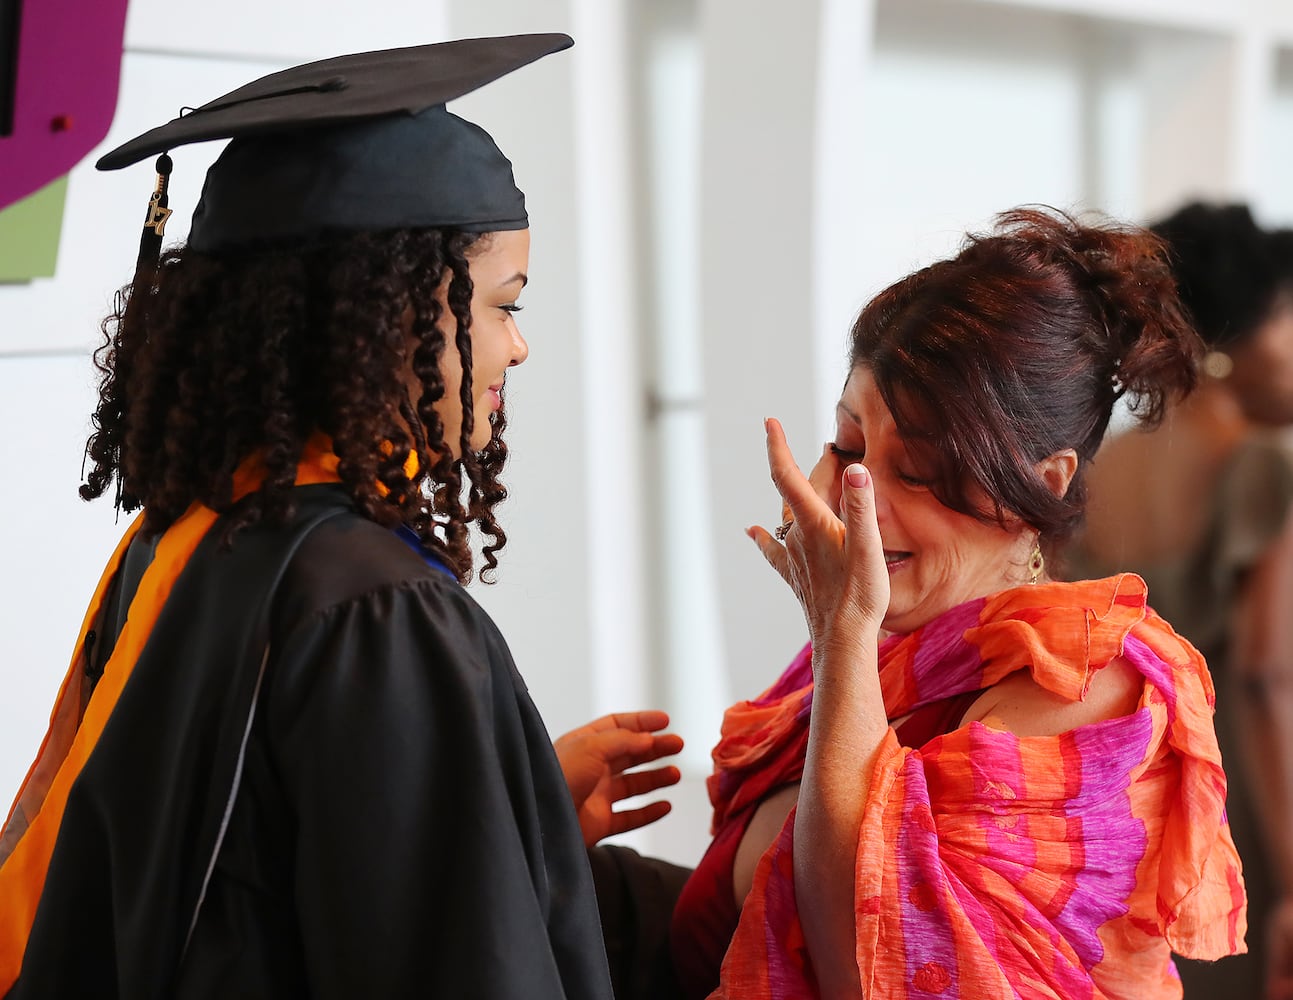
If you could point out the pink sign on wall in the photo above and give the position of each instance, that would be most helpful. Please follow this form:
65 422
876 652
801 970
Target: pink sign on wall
60 66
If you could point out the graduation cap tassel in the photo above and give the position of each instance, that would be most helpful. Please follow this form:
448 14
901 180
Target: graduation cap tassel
150 241
150 252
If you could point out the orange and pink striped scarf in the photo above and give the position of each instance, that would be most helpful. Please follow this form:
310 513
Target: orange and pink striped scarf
994 865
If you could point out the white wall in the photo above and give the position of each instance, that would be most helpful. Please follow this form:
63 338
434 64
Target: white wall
715 187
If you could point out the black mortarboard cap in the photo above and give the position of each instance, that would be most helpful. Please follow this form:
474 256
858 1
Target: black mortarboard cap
356 143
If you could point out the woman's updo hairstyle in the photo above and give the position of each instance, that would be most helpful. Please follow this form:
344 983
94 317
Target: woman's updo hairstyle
1019 347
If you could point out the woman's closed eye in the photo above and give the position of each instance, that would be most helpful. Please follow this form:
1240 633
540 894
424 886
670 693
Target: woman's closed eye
846 456
511 307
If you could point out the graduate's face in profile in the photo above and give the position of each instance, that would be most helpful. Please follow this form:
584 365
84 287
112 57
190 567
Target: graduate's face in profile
498 263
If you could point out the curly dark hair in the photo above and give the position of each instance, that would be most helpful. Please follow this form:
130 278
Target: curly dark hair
211 359
1019 347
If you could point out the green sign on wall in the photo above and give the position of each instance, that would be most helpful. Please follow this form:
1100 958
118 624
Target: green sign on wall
29 234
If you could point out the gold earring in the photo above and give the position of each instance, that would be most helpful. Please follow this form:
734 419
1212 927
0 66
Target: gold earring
1036 561
1218 364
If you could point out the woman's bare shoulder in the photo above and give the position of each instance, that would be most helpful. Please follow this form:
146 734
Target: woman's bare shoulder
1020 705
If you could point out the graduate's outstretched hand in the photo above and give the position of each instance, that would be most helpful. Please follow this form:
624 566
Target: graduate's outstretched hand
596 758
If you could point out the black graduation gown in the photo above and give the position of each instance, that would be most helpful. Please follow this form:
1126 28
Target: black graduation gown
400 825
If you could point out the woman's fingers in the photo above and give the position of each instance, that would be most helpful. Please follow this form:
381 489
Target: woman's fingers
772 550
802 500
791 483
857 503
825 477
862 544
805 503
832 558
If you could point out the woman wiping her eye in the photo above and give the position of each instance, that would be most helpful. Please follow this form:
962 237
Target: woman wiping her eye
976 781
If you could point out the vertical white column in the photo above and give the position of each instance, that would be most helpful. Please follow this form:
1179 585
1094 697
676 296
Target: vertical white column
612 433
757 310
689 679
847 34
688 640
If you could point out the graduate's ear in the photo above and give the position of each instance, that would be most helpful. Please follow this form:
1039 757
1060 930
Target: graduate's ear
1057 470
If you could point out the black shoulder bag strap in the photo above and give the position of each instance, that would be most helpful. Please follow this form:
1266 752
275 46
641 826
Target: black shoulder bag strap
261 639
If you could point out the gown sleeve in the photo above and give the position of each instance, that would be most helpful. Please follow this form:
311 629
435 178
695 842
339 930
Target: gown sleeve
636 896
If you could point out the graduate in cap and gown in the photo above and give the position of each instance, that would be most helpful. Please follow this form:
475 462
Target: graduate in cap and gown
292 756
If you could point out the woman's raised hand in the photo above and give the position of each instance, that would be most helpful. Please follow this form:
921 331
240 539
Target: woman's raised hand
834 564
596 758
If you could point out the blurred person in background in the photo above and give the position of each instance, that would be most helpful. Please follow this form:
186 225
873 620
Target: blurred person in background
1200 507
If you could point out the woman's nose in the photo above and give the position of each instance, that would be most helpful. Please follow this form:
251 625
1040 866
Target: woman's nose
882 491
520 349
